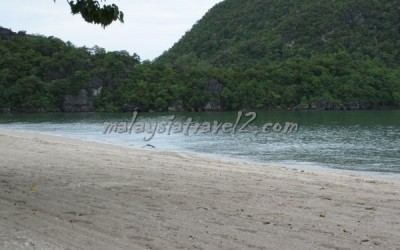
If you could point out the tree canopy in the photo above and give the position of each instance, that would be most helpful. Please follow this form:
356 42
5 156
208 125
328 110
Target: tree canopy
319 53
253 54
93 12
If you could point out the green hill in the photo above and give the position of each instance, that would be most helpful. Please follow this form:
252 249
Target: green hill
41 74
253 54
320 53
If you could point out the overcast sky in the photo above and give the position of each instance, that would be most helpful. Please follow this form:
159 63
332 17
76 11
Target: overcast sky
150 28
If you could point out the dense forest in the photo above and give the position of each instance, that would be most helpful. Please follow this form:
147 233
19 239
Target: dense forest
253 54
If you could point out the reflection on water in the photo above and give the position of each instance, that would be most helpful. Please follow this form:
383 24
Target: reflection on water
354 140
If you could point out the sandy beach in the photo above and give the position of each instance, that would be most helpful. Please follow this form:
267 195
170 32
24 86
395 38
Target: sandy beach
59 193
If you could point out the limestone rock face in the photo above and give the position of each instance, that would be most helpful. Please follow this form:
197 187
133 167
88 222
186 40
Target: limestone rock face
129 107
176 107
78 103
215 88
4 110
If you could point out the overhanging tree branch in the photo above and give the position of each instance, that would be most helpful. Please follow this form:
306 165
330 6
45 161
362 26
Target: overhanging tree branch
92 11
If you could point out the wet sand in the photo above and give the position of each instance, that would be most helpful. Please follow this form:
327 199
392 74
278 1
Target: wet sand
59 193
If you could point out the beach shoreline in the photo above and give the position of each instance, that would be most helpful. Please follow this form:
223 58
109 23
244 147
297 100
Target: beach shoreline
307 166
59 193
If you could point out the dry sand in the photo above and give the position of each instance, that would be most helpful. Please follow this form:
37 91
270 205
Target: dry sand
59 193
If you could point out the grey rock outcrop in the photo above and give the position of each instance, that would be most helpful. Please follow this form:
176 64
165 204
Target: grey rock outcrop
78 103
214 88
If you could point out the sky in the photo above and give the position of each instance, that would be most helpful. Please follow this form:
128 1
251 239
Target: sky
151 26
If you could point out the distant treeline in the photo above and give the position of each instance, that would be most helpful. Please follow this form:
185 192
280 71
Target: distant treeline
242 55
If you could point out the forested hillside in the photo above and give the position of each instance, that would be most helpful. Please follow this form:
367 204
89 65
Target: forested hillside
37 73
253 54
321 53
45 74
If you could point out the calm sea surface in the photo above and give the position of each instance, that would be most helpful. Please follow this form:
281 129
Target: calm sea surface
351 140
